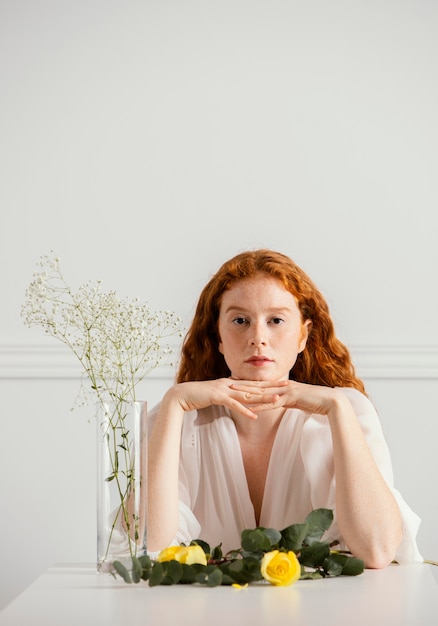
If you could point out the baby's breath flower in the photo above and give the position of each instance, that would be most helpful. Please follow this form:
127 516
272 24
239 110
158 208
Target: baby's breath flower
117 341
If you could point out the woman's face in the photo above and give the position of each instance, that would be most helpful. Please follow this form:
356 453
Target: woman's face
260 329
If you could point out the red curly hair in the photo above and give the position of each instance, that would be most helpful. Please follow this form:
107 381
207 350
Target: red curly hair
324 361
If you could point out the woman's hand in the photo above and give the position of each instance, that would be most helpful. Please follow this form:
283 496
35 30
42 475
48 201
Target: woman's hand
223 392
266 395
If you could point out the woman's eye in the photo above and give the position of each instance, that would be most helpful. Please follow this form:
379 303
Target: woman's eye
277 320
239 321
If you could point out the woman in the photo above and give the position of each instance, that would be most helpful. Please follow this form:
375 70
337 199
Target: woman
267 421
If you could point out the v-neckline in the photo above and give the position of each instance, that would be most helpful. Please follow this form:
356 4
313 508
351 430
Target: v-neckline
249 507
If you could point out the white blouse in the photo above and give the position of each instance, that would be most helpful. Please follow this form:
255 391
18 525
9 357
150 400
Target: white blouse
215 503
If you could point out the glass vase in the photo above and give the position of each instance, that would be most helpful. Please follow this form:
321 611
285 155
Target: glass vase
121 482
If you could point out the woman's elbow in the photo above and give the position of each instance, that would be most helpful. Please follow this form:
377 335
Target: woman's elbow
382 554
379 559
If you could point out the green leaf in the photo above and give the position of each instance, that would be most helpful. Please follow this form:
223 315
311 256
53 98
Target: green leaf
252 569
217 553
254 540
226 579
137 570
215 578
347 565
122 571
172 572
236 567
188 576
293 537
146 566
314 555
203 544
353 567
332 566
318 522
274 537
210 576
244 570
156 575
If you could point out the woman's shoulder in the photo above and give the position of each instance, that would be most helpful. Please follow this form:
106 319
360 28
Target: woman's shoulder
363 407
357 398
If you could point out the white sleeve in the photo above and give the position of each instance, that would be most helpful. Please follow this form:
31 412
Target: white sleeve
317 454
407 552
188 526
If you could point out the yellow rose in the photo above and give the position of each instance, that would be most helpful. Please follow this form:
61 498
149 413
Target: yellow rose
183 554
280 568
169 554
194 554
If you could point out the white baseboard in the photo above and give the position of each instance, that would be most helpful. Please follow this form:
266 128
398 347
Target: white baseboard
41 361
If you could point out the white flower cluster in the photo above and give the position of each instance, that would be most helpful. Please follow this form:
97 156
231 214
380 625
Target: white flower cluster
118 342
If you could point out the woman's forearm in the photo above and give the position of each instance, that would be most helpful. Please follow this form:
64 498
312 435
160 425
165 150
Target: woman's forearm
164 450
368 516
163 463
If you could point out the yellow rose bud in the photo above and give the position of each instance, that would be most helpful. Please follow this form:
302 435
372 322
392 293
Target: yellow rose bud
183 554
280 568
169 554
195 554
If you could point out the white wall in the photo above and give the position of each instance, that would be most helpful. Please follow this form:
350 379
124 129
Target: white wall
146 142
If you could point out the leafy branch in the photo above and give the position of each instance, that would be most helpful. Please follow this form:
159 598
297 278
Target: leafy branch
315 558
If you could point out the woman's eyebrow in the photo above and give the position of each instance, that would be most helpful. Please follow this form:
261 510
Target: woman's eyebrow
240 309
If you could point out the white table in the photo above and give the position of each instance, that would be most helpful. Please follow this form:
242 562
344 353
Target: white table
77 595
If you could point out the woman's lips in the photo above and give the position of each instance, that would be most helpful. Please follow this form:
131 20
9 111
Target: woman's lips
259 360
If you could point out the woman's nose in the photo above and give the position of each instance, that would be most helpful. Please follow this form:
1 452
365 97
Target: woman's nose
258 337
